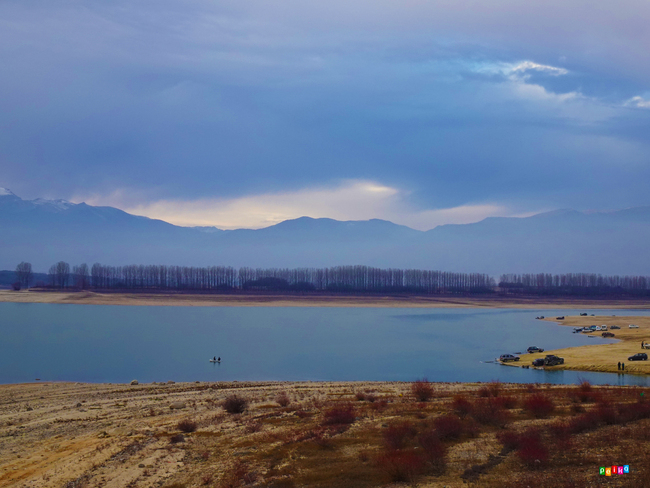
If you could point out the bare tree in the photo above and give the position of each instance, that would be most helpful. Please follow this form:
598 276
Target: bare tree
62 274
24 274
81 276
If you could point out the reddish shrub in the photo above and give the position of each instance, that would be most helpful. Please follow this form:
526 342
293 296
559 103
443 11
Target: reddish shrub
490 390
397 435
509 439
234 404
187 425
585 422
380 406
561 432
630 412
531 450
608 414
422 390
533 455
471 428
433 451
585 386
461 406
509 402
401 466
539 405
448 427
360 396
577 408
488 411
341 414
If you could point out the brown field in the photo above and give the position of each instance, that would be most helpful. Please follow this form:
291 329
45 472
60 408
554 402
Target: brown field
322 435
602 357
315 300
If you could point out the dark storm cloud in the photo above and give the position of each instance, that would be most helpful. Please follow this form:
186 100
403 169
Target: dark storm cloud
526 104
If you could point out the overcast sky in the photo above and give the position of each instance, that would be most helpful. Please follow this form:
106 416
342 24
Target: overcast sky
245 113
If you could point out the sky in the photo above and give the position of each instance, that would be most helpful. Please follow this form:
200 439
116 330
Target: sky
247 113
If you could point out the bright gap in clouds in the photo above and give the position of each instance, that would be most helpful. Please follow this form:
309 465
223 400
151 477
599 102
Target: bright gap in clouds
350 200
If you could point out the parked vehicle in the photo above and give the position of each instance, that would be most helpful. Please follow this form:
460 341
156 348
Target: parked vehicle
584 314
646 345
533 349
553 360
598 328
538 362
559 318
603 327
639 356
614 327
633 326
504 358
608 334
593 328
577 329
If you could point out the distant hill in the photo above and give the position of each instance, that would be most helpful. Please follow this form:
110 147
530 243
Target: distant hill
45 231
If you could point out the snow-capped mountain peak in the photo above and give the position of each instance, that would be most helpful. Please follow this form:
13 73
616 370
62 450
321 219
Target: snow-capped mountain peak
58 204
5 192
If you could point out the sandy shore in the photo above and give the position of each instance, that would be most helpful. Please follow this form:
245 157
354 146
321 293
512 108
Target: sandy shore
602 357
315 300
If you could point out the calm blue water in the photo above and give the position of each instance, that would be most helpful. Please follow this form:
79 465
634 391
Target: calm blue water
98 343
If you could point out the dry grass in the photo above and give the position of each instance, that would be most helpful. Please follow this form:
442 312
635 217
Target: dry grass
327 437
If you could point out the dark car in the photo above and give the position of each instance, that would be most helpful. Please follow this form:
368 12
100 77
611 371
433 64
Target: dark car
559 318
533 349
639 356
607 334
614 327
504 358
553 360
538 362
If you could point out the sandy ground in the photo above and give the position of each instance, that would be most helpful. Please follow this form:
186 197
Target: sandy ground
73 435
314 300
601 357
117 435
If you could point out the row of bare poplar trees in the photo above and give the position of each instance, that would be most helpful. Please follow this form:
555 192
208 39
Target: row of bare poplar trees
575 284
337 278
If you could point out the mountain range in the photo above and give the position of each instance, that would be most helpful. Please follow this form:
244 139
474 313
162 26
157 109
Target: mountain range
46 231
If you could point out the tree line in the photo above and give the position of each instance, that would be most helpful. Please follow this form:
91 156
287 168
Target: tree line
574 284
350 279
215 278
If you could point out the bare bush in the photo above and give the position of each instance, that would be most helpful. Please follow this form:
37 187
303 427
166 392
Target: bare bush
283 399
235 404
187 425
422 390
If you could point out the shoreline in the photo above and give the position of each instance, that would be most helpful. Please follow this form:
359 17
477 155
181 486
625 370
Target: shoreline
316 300
600 358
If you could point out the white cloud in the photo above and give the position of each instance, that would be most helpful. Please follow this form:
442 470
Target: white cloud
638 102
350 200
525 66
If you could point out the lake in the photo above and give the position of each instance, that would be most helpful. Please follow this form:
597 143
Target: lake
103 343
